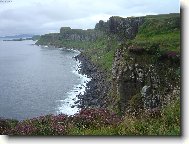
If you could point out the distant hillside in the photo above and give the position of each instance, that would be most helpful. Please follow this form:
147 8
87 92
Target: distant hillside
21 37
18 36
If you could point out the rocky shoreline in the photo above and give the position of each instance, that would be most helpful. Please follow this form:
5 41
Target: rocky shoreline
95 95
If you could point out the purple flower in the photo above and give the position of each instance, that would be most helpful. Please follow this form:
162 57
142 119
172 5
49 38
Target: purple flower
58 129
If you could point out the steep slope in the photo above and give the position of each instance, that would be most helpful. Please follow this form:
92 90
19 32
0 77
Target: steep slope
140 56
146 69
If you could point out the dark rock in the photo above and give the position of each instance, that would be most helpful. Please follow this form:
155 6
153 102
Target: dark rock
97 88
144 75
122 27
76 102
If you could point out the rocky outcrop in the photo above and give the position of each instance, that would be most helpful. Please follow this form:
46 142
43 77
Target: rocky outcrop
122 27
67 33
143 75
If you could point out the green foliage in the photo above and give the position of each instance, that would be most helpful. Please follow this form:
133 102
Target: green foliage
167 124
160 30
102 52
101 131
135 103
160 24
36 37
166 42
68 31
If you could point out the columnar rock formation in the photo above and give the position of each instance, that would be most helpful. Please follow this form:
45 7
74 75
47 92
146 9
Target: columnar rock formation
78 34
123 27
148 77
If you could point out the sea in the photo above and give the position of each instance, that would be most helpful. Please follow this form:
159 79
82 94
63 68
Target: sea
38 80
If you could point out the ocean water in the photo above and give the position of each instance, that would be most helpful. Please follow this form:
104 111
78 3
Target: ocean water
38 80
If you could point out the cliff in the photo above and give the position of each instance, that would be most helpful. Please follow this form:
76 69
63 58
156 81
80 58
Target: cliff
146 69
144 80
140 56
68 35
122 27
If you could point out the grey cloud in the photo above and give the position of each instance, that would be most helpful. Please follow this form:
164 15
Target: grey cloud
43 16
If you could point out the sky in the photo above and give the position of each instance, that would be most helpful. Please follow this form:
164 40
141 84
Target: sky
47 16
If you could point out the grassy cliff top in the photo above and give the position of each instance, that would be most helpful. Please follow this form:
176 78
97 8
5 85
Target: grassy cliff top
163 31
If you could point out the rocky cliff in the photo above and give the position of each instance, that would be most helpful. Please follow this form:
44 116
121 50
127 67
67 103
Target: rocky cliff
144 80
146 66
67 33
124 28
141 56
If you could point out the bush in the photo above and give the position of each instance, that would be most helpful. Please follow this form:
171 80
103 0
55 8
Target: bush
95 118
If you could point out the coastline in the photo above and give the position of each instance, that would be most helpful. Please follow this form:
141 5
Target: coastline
93 93
69 105
93 89
90 93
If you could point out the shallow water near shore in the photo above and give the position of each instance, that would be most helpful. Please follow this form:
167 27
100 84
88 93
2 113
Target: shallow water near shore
36 80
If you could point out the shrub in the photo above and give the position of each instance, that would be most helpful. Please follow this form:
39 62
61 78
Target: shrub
95 118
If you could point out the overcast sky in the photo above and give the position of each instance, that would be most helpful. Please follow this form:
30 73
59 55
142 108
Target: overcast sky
44 16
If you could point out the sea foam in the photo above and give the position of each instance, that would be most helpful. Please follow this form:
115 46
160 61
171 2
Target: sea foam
68 106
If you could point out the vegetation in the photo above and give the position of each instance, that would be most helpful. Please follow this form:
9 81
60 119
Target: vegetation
36 37
99 122
101 52
162 31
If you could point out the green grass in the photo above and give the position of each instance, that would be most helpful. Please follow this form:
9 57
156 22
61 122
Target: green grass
162 31
102 52
161 24
101 131
166 42
166 124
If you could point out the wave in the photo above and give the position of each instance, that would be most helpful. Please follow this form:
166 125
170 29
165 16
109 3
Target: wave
68 106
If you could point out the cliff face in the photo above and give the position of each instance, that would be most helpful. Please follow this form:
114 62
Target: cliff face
67 33
122 27
150 80
66 36
146 70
